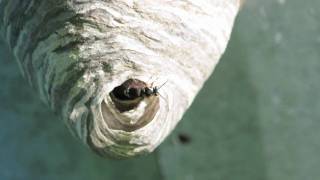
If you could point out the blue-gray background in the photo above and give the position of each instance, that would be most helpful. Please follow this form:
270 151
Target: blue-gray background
257 118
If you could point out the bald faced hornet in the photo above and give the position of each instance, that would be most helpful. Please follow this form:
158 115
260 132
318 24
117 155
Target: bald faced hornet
130 93
134 88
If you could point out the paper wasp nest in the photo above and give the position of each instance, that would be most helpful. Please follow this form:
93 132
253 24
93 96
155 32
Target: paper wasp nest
79 55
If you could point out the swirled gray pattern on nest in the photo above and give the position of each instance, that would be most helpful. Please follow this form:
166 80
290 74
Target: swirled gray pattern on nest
75 52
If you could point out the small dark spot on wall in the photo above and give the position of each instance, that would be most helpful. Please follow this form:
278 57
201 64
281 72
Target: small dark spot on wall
184 138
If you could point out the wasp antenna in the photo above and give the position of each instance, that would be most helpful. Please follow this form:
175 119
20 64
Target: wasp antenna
162 84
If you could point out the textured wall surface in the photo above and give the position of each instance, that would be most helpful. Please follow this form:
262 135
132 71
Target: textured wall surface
257 118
